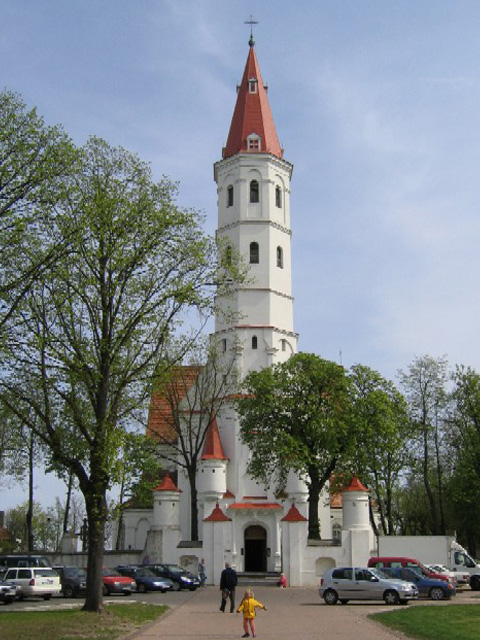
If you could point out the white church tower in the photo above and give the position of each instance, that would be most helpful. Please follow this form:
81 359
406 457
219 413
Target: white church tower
253 181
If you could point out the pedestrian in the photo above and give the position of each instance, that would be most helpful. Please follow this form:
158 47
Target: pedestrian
228 582
248 606
282 583
202 572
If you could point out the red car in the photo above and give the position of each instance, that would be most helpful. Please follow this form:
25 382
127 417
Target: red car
113 582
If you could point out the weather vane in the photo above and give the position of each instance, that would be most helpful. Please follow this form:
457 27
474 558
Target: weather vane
251 21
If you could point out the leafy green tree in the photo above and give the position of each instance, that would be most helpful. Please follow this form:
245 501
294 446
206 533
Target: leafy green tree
297 415
464 485
94 331
46 526
381 454
425 387
34 159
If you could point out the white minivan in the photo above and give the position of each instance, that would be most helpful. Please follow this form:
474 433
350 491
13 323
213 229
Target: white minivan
34 581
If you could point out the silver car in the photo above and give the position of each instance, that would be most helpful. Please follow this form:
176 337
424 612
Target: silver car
362 583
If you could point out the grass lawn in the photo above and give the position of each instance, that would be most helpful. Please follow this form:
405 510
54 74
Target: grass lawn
456 622
116 622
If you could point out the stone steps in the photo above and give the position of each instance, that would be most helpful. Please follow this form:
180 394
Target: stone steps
258 578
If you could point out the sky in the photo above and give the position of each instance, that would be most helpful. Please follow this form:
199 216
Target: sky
376 104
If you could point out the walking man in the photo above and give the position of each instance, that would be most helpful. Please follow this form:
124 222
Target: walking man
228 582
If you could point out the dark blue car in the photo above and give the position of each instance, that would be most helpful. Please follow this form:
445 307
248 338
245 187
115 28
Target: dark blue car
427 587
146 579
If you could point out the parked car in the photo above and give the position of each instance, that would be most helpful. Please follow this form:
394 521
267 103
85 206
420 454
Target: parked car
460 577
146 579
411 563
73 581
22 560
34 581
181 579
361 583
8 592
427 587
113 582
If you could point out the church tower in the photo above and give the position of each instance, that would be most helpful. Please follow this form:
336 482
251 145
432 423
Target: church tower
253 186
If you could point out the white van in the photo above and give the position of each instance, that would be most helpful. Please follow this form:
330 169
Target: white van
34 581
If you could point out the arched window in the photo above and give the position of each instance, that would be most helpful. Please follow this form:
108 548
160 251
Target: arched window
254 342
254 191
284 344
280 257
230 195
278 196
254 253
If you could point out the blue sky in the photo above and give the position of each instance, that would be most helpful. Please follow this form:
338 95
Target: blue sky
376 103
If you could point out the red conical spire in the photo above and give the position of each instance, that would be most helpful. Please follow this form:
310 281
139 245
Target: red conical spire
252 115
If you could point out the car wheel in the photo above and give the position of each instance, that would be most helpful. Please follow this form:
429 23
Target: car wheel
142 588
105 590
391 597
330 596
437 593
47 596
475 583
344 601
192 588
68 591
176 586
21 596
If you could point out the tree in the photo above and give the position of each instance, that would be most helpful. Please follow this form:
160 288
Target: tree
424 384
94 331
297 415
464 436
139 475
34 158
381 454
191 396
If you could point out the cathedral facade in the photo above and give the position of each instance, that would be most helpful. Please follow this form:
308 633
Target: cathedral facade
239 520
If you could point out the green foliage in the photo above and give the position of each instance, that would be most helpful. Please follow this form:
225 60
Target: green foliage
34 159
47 526
93 330
297 416
381 455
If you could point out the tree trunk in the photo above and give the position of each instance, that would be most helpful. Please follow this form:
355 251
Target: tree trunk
96 507
313 498
193 505
29 517
67 503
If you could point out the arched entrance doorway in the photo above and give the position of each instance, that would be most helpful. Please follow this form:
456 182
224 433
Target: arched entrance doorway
255 548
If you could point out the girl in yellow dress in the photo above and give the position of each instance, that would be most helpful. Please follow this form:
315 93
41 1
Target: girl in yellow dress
248 606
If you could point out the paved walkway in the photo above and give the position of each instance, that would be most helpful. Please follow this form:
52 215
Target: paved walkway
291 613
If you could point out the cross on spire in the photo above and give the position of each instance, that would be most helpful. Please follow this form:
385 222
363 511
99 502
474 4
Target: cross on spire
251 21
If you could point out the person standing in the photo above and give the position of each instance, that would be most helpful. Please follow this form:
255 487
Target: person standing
248 606
228 582
202 572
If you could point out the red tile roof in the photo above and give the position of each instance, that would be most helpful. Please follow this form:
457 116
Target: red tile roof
356 485
217 515
252 114
294 515
212 449
167 484
161 425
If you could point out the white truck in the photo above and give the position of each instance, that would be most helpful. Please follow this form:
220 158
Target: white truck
443 550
